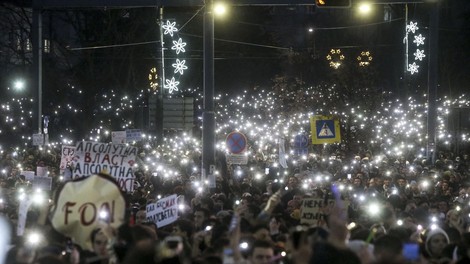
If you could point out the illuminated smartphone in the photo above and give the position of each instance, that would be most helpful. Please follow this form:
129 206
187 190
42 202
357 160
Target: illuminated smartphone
411 251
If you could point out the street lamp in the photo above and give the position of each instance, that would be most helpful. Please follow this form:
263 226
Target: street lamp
220 8
364 8
18 85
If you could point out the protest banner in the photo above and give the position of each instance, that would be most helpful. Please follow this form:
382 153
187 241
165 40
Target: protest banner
85 204
66 158
164 211
115 160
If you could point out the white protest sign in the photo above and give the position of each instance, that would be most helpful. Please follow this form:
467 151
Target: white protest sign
28 175
115 160
118 137
164 211
85 204
42 182
22 213
133 135
314 210
66 158
41 171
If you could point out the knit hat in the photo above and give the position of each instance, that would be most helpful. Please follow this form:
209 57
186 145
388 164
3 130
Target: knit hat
432 232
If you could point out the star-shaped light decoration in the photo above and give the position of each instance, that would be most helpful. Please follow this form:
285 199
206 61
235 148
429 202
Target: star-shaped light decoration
419 54
180 66
335 57
419 40
412 27
171 85
169 28
365 58
413 68
178 46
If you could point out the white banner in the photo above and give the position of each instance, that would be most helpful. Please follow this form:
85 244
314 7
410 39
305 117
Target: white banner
28 175
164 211
115 160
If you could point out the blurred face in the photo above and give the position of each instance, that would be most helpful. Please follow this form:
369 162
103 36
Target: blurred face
262 255
140 217
99 245
402 182
262 234
437 244
198 218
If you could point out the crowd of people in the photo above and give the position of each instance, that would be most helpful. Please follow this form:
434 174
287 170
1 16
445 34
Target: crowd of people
376 209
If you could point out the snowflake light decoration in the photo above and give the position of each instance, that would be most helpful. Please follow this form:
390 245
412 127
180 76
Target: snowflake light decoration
179 66
178 46
169 28
335 57
412 27
413 68
419 54
418 40
171 85
364 59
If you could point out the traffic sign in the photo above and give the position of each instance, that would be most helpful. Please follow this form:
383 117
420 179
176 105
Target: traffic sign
325 129
236 142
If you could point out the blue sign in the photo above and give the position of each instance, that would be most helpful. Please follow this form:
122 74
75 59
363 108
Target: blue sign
300 141
325 129
236 142
300 145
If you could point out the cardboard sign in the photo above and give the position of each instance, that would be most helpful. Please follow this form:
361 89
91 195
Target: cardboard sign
118 137
43 183
79 205
133 135
164 211
115 160
314 210
41 171
66 159
28 175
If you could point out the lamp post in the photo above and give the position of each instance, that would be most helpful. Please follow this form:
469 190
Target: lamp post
208 115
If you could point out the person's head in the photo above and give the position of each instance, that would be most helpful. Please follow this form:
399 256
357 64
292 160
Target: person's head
200 215
261 232
387 247
436 241
99 242
262 252
141 216
183 228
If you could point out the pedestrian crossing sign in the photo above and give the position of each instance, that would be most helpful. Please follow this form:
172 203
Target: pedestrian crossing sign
325 129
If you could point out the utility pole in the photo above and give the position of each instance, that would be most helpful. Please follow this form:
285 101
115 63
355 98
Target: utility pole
432 82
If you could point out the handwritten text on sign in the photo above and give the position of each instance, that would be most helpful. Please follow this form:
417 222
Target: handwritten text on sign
68 153
164 211
116 160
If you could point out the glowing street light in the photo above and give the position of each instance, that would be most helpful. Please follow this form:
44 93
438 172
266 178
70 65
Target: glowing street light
220 9
19 85
364 8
